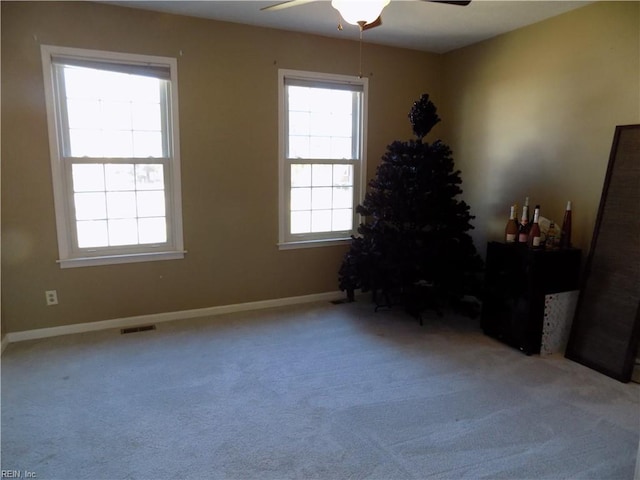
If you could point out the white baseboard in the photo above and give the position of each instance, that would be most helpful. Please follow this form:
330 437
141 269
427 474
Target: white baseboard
3 345
165 317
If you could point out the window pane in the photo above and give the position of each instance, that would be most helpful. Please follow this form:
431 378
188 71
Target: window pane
123 232
121 205
300 175
92 234
146 116
321 124
298 147
298 98
149 177
341 148
82 83
119 176
301 222
90 206
151 204
147 144
299 123
83 113
321 198
87 178
114 86
343 175
342 220
342 197
116 115
85 143
325 117
321 221
300 199
341 125
329 100
319 147
117 144
152 230
322 175
145 89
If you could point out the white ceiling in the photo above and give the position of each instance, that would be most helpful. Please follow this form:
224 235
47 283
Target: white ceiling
419 25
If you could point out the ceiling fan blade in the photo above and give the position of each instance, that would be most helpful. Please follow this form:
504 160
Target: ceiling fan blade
376 23
460 3
287 4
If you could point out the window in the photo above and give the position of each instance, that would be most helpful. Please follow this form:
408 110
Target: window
113 132
322 130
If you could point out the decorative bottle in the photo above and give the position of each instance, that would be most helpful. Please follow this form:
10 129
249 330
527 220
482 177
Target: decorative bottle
565 233
534 233
526 204
511 230
523 229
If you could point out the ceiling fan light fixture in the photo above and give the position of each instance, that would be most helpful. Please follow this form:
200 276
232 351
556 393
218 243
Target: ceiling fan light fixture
359 12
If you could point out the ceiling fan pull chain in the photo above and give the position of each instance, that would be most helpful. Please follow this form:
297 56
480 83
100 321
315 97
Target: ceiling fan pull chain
360 62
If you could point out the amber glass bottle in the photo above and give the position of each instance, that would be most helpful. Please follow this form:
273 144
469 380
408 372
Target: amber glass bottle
511 230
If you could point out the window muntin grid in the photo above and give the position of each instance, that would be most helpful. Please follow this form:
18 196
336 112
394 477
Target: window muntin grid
109 110
323 155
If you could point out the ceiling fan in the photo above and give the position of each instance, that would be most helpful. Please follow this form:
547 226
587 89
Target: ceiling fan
364 13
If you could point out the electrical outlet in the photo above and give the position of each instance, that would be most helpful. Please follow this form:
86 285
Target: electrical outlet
52 297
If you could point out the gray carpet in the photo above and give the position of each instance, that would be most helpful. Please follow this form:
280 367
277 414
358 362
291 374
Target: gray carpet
317 391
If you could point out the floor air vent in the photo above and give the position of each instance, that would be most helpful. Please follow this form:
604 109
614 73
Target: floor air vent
144 328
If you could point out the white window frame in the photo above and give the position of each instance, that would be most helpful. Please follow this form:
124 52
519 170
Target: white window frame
70 255
292 241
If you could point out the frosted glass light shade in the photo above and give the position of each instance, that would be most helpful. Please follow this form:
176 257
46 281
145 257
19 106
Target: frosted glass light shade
357 11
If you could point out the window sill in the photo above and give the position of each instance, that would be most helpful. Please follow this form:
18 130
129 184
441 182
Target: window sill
117 259
332 242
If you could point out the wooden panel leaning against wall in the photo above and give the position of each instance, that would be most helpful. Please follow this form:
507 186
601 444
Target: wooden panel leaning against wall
606 329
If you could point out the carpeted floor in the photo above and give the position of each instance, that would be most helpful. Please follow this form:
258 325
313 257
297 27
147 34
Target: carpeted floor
319 391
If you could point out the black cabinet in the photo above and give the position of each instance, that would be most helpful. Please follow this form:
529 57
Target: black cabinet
516 281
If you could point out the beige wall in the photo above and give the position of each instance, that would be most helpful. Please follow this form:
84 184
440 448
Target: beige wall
228 117
530 113
533 113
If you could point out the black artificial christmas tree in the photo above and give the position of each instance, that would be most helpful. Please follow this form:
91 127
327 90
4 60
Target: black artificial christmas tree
414 247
